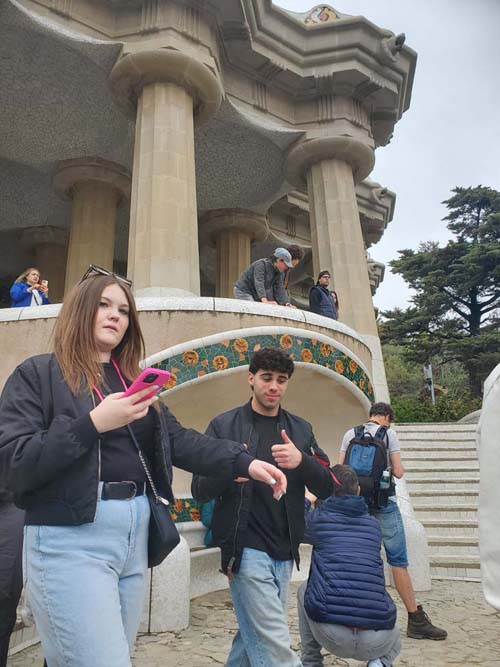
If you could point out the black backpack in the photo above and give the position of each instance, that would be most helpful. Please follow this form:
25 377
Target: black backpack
369 456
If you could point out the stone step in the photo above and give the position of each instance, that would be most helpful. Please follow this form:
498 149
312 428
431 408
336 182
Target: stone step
447 475
443 467
450 527
442 485
458 446
446 511
444 497
438 428
467 546
455 567
436 483
438 457
433 441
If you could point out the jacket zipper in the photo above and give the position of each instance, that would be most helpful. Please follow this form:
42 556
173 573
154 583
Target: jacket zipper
288 519
98 466
232 560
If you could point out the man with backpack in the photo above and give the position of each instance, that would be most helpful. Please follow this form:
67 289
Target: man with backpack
363 449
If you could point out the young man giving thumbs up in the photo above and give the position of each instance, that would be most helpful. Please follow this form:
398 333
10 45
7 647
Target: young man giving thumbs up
259 537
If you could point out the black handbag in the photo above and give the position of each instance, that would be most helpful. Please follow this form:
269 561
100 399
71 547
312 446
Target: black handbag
163 534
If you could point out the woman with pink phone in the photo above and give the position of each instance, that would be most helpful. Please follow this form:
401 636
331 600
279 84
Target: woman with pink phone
80 451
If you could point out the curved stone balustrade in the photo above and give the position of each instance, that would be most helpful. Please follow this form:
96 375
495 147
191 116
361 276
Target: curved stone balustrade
206 344
169 321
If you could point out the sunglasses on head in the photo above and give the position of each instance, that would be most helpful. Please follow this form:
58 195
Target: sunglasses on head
94 270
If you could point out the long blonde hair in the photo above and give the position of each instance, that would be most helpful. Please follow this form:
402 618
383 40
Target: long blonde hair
74 342
21 278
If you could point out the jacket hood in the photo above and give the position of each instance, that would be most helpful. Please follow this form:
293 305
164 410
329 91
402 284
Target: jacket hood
347 505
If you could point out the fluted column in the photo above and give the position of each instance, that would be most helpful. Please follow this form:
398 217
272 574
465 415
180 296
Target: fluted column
331 166
232 231
96 187
171 91
50 248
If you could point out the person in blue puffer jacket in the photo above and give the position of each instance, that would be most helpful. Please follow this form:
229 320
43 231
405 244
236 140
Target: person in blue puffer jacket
27 290
344 606
321 300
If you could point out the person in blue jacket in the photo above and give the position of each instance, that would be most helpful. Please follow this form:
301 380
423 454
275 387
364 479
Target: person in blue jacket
321 300
27 290
344 606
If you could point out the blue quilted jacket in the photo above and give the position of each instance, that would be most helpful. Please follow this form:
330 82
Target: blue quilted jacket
346 583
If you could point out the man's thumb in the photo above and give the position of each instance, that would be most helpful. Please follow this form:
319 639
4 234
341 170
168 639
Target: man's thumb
285 437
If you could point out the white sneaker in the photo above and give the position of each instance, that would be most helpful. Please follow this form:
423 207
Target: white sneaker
375 663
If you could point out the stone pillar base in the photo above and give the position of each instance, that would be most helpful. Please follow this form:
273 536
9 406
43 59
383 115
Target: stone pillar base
167 608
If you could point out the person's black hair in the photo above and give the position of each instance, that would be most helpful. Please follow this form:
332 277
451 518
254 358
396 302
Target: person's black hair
271 359
382 410
296 252
345 480
321 274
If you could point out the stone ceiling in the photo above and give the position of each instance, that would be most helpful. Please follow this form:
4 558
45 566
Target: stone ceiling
56 104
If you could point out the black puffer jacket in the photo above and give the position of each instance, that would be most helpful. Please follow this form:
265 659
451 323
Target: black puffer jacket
233 501
50 450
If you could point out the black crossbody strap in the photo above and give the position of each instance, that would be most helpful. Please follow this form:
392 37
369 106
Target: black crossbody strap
157 497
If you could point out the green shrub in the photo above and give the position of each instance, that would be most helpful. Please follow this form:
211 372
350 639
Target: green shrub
447 409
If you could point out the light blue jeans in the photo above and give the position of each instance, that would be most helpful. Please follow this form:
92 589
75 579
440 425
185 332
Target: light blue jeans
86 584
260 595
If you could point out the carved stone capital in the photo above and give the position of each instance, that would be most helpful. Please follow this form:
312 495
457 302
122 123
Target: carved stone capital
72 172
137 70
305 153
244 221
376 209
376 272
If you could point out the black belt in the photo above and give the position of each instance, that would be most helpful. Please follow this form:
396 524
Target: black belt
122 490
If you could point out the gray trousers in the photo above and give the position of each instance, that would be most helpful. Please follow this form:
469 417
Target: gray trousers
243 296
342 641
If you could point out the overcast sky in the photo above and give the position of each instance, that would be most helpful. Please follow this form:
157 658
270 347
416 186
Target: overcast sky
450 136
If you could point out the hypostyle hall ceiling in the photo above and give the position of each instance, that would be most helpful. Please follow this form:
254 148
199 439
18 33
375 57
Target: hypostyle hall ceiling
56 104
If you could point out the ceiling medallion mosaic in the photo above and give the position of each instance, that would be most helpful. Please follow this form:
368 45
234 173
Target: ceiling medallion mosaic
320 14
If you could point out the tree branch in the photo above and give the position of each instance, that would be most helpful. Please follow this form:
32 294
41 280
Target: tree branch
454 296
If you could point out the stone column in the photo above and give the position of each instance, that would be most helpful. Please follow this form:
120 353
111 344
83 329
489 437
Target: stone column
232 231
171 90
96 187
331 166
50 248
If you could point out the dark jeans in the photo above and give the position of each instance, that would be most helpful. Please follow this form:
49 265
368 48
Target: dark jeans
11 573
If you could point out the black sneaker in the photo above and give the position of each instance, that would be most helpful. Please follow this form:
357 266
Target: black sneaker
420 626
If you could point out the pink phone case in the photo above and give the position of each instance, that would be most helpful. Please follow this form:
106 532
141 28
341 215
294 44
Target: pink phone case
148 377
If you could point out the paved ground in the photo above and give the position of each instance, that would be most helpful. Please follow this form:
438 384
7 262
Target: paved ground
474 634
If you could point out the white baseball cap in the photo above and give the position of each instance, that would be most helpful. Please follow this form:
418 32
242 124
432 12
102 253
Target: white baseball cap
282 253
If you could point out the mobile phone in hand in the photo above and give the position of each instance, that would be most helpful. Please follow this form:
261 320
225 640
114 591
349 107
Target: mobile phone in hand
149 377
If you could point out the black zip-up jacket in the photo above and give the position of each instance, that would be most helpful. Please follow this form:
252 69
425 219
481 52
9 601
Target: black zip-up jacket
50 449
233 501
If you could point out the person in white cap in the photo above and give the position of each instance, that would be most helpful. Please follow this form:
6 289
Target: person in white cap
263 280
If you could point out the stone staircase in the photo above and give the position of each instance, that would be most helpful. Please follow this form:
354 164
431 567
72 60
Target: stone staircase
442 476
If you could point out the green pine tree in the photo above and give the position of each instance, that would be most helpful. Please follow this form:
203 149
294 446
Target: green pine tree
455 311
